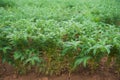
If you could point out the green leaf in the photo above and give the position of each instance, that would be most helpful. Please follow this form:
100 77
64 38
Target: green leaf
17 55
85 61
82 60
5 49
65 51
107 47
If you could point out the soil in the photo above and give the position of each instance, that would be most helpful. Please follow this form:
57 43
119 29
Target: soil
103 73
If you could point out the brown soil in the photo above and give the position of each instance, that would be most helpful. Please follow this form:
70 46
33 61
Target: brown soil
103 73
84 74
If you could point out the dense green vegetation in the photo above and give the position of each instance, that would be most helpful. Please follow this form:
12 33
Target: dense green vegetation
53 36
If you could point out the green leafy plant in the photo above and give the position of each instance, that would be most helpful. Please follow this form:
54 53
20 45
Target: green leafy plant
6 3
58 38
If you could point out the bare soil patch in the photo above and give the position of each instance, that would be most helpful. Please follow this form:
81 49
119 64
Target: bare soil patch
7 73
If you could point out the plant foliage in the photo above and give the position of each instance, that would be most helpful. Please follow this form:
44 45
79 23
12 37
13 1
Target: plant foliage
54 36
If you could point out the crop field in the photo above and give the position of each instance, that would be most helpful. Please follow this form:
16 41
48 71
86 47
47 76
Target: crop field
57 36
